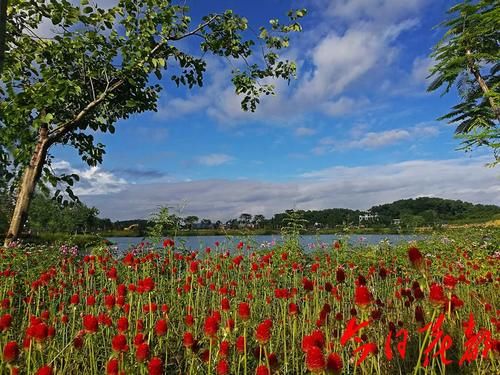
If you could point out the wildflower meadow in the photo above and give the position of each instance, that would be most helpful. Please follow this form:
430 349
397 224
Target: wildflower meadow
428 307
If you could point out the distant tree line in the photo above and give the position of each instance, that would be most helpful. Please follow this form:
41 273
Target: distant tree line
49 215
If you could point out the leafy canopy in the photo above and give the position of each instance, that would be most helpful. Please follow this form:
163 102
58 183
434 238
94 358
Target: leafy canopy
99 67
469 57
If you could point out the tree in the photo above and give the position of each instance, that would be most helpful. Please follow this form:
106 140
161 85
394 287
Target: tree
258 220
206 223
48 215
232 224
245 219
3 22
468 57
98 68
191 220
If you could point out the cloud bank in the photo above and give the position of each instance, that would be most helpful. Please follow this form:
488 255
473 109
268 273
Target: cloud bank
341 186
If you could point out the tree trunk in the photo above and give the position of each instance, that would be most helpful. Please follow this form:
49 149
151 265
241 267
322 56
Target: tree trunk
484 87
31 176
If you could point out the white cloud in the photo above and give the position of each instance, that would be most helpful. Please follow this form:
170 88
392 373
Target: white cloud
332 60
380 139
93 180
304 131
378 10
363 139
339 186
420 69
212 160
344 105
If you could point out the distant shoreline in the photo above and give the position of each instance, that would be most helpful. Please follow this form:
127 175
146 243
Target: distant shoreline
237 232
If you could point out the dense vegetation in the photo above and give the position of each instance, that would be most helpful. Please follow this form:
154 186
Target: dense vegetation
49 216
427 307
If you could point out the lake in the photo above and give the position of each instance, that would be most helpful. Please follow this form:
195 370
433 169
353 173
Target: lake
310 242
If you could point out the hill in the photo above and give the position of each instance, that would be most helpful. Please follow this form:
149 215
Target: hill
415 212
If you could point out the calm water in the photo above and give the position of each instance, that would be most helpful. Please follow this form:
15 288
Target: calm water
308 242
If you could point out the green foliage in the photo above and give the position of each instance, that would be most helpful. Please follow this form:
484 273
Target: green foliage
468 57
98 68
434 211
46 215
160 222
412 212
294 225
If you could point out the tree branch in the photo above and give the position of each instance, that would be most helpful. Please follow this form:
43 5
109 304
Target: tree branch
193 32
65 127
484 87
62 129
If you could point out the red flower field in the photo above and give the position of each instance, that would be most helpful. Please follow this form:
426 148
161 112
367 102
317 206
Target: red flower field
430 307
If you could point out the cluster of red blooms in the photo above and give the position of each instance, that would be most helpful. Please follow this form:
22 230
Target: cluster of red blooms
130 309
313 346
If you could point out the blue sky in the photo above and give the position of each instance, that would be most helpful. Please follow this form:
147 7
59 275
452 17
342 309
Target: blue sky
356 128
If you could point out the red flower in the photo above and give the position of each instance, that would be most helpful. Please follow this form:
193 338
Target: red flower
455 302
193 266
90 301
45 370
224 349
244 311
138 339
334 364
315 360
189 320
168 243
449 281
340 275
188 340
40 332
109 301
90 323
112 274
225 304
155 366
308 284
10 351
416 258
222 367
211 326
78 341
362 296
263 332
121 289
161 327
112 367
307 343
142 352
119 343
230 324
436 294
122 324
75 299
240 344
148 284
262 370
5 322
293 309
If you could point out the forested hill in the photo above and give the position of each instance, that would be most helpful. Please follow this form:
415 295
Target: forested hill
437 210
406 212
46 215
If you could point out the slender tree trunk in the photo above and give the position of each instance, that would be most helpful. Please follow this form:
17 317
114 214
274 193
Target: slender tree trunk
31 176
484 87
